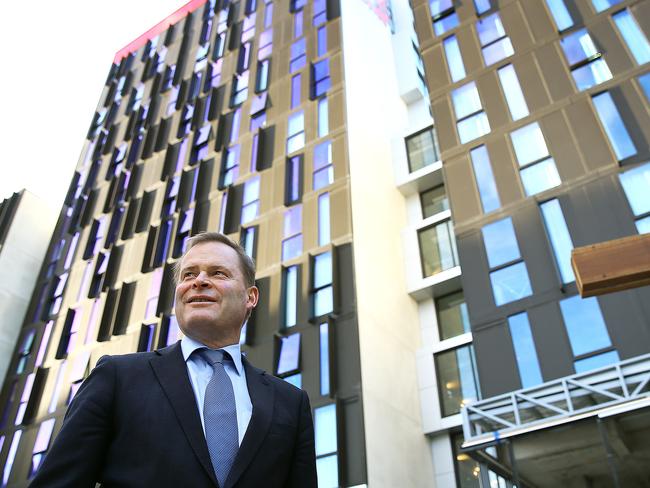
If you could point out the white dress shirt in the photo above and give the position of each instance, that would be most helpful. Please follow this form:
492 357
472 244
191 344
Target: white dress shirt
201 372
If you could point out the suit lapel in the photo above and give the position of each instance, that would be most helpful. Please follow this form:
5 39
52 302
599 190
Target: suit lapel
262 393
171 371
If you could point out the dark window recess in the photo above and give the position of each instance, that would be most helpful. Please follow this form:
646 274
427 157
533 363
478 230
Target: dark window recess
169 203
134 151
89 208
157 245
113 267
265 148
64 341
233 209
149 142
201 214
167 291
185 122
145 342
235 36
224 128
165 329
114 226
204 180
194 87
171 157
108 316
181 61
170 35
35 396
124 308
183 230
162 135
92 239
199 113
146 208
200 147
216 102
130 127
98 275
92 175
117 159
134 181
293 180
117 191
109 142
130 218
187 190
73 191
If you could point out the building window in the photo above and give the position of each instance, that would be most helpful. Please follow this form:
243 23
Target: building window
421 149
326 446
296 132
321 41
612 122
289 355
525 352
200 147
444 16
558 234
298 56
248 238
41 445
434 201
324 353
45 341
508 273
11 456
644 81
495 44
298 24
292 234
636 183
266 40
323 168
536 168
25 351
487 187
154 293
323 117
457 379
467 469
24 398
293 180
92 322
560 14
471 120
453 318
323 219
437 248
230 169
322 289
171 191
95 237
262 79
588 336
290 296
295 90
601 5
512 91
239 89
183 231
454 58
251 200
320 78
319 12
585 61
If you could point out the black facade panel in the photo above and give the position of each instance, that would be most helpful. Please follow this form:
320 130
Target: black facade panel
124 308
353 448
495 360
551 341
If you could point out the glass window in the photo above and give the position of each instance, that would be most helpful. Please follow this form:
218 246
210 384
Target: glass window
92 322
444 16
636 41
294 379
289 357
41 445
510 283
24 398
295 90
323 117
434 201
323 219
453 318
324 348
500 242
597 361
467 469
323 293
512 91
319 12
635 184
482 6
296 132
558 234
454 58
25 350
292 241
525 352
45 340
290 296
321 41
293 180
230 169
471 120
495 44
560 14
262 80
239 89
612 122
601 5
584 324
298 25
323 169
537 169
154 293
437 248
644 81
266 39
248 237
421 150
326 446
484 176
320 78
298 56
585 60
11 456
251 200
457 379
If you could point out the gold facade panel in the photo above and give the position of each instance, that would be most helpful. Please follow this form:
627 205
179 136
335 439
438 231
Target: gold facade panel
460 186
585 135
556 74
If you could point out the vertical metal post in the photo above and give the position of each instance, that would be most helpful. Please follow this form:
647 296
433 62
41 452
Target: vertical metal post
513 463
611 461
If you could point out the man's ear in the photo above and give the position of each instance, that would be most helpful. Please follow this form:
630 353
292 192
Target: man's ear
253 296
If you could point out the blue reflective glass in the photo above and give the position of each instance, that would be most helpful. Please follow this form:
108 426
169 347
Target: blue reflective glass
327 469
322 269
540 177
634 37
512 91
482 6
292 247
323 117
497 51
591 74
473 127
644 81
614 126
323 301
325 429
601 5
636 183
510 283
445 24
485 179
294 379
466 100
321 41
643 225
500 242
597 361
489 29
529 144
323 219
525 352
558 234
454 58
578 46
439 6
584 324
298 58
289 354
560 14
324 359
290 296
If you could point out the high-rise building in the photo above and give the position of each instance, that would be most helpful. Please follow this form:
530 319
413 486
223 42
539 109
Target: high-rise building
364 152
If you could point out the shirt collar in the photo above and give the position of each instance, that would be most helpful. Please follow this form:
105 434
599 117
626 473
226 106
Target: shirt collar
189 345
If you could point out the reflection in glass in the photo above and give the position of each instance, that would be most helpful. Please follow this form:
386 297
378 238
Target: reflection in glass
539 177
500 242
584 324
512 91
614 126
597 361
289 356
437 248
510 283
457 379
558 234
453 318
525 352
421 150
454 58
484 176
434 201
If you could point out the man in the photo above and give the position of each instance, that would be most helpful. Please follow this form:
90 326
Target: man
194 414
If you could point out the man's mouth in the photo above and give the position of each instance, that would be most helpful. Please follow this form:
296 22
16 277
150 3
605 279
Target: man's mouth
201 299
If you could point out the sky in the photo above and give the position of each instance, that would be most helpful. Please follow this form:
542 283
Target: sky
55 58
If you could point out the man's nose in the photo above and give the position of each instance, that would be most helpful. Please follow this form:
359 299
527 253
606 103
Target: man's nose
201 279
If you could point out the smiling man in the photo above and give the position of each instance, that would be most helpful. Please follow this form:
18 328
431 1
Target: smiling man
196 413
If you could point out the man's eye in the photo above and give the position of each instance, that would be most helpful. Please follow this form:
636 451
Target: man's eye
188 274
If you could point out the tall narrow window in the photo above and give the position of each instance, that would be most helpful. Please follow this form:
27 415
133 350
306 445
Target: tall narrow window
437 248
292 240
421 149
636 183
295 90
536 168
248 238
612 122
41 445
239 89
434 201
323 219
457 379
601 5
289 355
324 352
262 79
154 293
471 120
585 60
320 78
444 16
454 58
453 317
508 272
298 56
296 132
11 456
321 41
293 180
525 352
319 12
560 14
326 445
290 296
560 238
40 356
484 176
512 91
322 289
323 117
644 81
24 398
495 44
323 167
482 6
251 200
230 166
25 350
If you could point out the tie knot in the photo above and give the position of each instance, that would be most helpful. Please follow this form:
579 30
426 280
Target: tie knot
213 357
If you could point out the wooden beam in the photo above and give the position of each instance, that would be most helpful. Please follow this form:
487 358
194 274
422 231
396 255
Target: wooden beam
612 266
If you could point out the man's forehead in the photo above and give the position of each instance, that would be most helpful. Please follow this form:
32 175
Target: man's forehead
211 253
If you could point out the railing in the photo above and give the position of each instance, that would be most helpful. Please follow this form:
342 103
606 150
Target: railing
556 402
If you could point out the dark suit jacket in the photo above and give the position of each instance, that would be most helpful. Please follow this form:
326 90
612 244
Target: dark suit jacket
134 423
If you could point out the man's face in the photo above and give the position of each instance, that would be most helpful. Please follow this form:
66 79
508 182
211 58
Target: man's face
212 299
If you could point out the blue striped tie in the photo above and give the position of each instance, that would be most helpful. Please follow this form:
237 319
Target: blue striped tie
220 416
